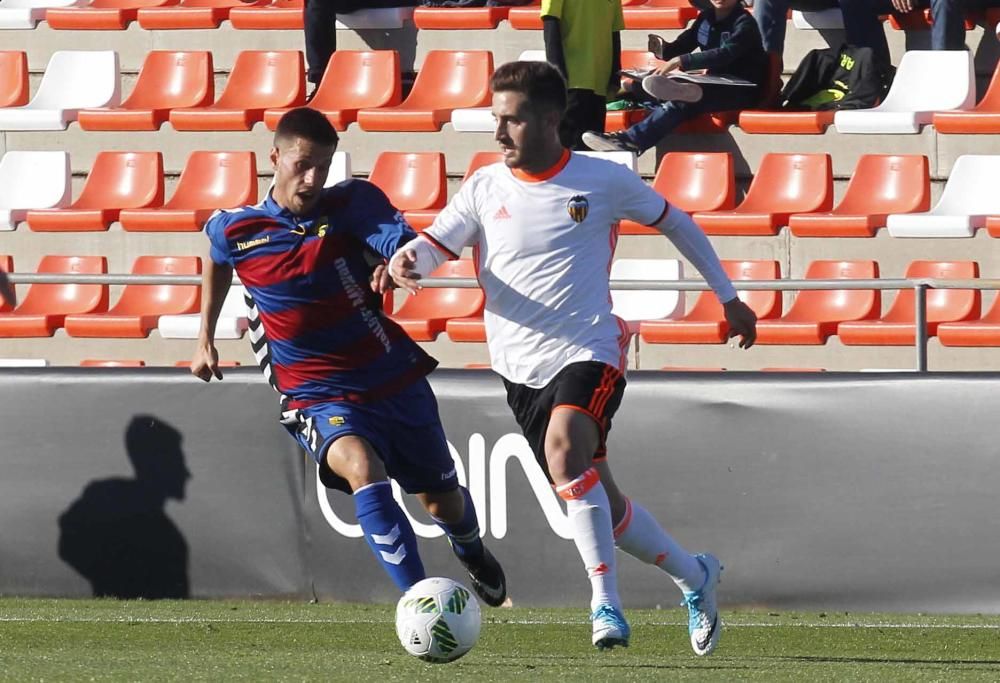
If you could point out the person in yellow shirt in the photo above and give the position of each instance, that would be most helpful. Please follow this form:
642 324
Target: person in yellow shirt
583 41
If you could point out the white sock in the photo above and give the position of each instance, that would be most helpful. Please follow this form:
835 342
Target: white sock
590 518
641 536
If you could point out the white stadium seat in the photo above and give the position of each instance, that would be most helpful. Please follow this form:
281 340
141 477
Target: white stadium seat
969 196
821 20
32 180
340 169
379 18
634 306
910 102
232 320
480 119
23 363
626 159
73 80
21 14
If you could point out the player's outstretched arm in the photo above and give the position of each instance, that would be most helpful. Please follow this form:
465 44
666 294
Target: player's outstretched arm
215 283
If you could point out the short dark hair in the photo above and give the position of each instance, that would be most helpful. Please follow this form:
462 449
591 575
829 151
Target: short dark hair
308 124
540 82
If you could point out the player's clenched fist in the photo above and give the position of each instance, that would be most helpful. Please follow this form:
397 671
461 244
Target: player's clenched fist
205 363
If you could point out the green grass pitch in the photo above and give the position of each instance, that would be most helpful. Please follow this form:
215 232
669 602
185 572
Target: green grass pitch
106 640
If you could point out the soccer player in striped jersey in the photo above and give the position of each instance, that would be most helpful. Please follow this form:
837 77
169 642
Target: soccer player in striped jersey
543 225
353 385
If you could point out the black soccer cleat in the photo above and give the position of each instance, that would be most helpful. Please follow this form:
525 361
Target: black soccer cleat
487 578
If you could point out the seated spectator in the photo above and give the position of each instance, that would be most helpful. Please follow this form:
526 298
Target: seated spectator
730 45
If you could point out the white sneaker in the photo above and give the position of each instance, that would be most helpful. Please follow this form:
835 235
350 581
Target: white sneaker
704 623
667 89
609 142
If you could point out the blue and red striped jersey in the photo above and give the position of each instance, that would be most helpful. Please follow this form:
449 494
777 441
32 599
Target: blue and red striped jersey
316 327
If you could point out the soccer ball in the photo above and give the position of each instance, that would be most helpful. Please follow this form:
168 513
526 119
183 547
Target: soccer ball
438 620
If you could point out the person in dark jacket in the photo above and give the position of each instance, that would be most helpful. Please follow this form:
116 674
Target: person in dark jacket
724 41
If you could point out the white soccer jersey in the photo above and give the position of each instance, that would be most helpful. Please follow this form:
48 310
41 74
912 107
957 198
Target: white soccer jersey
544 249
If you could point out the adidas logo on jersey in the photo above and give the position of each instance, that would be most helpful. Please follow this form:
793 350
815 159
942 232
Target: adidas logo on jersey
502 214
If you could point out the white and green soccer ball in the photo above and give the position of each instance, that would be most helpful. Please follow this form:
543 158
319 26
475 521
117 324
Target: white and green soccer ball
438 620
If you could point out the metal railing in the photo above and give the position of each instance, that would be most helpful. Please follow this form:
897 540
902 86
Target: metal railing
918 285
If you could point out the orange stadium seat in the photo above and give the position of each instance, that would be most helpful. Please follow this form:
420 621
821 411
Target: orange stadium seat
526 18
45 307
422 218
982 332
94 363
188 14
280 14
13 78
424 317
459 18
447 80
658 14
993 226
107 15
140 306
412 181
118 180
209 181
784 184
706 322
353 80
260 80
984 118
814 315
920 20
6 266
692 181
896 327
167 80
772 122
881 184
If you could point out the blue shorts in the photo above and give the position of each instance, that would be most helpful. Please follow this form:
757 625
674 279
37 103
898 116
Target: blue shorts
404 429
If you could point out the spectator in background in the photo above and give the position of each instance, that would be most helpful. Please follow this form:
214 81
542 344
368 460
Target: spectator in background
583 41
729 44
320 19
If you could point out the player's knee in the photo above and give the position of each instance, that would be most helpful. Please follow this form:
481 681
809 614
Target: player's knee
446 505
355 462
564 462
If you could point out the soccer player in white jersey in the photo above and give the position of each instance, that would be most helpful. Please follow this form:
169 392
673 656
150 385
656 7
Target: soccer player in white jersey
544 226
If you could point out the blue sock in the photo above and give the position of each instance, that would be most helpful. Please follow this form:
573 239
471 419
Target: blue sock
389 534
464 535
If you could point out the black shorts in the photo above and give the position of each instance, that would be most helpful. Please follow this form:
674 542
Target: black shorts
589 387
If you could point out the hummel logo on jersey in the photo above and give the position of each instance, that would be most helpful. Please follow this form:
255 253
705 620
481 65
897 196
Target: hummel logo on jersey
502 214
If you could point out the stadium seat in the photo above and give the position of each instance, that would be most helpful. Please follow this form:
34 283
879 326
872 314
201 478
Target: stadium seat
784 184
819 20
340 169
920 21
354 80
260 80
424 317
706 322
46 306
692 181
423 218
459 18
969 196
232 322
412 181
882 184
23 363
626 159
118 180
375 18
6 266
659 14
447 80
188 14
480 119
982 332
73 80
896 327
814 315
279 14
108 15
771 122
526 18
209 181
140 306
167 80
635 306
984 118
909 103
25 14
94 363
13 78
32 180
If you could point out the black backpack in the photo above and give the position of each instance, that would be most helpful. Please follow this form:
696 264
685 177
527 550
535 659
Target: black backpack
844 77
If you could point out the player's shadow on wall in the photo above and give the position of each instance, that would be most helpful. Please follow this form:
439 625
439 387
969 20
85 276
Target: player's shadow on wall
117 534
